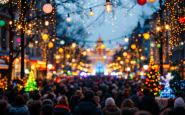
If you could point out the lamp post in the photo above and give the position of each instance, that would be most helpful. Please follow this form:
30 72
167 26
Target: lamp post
160 38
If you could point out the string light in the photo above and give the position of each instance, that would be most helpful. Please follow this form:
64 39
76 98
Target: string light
108 6
68 19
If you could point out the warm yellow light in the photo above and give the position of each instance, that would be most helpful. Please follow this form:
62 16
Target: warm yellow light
10 22
30 45
108 6
28 32
60 50
133 46
84 53
50 45
74 45
44 37
119 58
124 53
46 23
146 36
91 13
19 26
158 28
68 56
151 1
126 39
102 46
57 56
128 69
32 67
121 62
167 26
142 57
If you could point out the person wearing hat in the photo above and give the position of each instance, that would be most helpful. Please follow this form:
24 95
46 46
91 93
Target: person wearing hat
178 107
87 105
110 107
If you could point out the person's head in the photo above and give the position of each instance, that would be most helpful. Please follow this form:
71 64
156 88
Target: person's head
143 113
170 102
36 96
19 101
97 99
89 95
109 102
79 93
50 96
63 101
179 102
127 103
47 109
46 102
3 106
146 92
26 96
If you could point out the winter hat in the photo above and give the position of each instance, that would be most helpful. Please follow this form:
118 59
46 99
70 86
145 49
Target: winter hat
109 101
179 102
47 101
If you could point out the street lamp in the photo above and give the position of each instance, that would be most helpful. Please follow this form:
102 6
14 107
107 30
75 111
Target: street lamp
108 6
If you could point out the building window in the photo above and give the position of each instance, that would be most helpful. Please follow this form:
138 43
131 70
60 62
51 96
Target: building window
3 39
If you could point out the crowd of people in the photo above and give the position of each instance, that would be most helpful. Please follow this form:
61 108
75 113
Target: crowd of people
88 96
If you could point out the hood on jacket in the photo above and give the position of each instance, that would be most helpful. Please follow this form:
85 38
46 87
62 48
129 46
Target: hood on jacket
111 110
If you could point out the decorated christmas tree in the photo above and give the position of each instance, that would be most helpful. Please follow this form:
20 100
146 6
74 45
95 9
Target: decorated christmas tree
31 83
152 80
177 83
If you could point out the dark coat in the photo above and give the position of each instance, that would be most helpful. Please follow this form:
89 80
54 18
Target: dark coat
149 104
177 111
87 107
128 111
74 102
34 107
61 110
111 110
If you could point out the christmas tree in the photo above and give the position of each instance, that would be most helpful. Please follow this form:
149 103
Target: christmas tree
177 83
152 80
31 83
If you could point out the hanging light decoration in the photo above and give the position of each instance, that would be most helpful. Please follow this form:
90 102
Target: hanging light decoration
68 19
47 8
151 1
46 23
44 37
60 50
133 46
91 12
4 1
2 23
141 2
126 39
108 6
50 45
146 36
181 19
30 45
